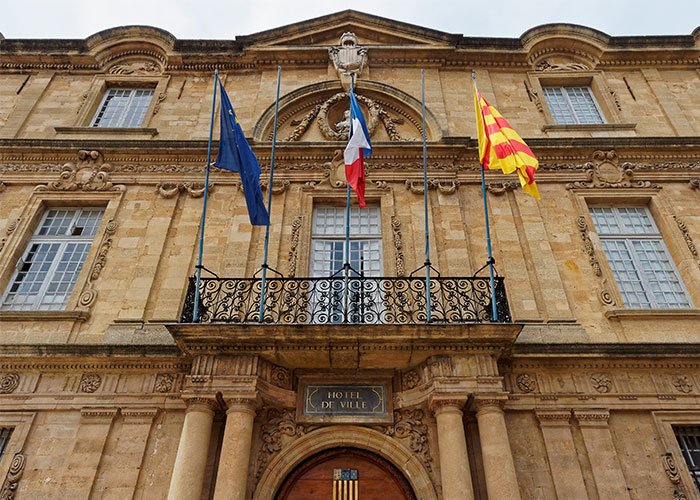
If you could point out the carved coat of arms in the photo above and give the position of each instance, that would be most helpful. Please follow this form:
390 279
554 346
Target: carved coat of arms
348 57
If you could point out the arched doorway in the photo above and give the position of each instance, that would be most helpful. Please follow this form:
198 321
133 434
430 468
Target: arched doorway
346 470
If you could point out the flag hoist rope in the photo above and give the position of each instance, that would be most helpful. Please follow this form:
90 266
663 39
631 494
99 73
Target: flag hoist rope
198 273
263 282
490 261
346 264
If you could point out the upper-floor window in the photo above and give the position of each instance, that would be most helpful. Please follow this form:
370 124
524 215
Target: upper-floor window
121 107
572 105
328 241
47 272
639 259
689 441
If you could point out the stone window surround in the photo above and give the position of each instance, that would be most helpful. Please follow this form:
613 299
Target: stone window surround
664 422
334 197
27 222
662 214
20 422
599 88
93 98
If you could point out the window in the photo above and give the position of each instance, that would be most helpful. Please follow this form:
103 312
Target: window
5 434
638 257
689 441
122 108
572 105
328 246
49 268
328 256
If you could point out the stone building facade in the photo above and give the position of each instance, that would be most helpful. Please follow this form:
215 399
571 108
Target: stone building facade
588 386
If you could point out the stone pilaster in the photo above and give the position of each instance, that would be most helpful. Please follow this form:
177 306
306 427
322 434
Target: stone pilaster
561 451
232 476
452 444
191 459
605 463
497 458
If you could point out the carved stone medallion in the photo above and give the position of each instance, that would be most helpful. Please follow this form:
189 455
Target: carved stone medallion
8 383
90 382
348 57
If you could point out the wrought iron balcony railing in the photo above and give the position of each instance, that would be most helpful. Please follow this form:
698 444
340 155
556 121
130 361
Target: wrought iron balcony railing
387 301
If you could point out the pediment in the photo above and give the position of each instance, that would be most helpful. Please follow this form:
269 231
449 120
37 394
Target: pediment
370 30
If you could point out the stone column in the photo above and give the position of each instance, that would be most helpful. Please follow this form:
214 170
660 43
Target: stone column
191 459
232 476
605 463
454 461
496 455
561 451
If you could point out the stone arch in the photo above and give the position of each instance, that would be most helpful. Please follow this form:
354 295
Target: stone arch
579 47
131 49
341 436
304 104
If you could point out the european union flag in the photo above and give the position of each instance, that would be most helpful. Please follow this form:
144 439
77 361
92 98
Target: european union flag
235 155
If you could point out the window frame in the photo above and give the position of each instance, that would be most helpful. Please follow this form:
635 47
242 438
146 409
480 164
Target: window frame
627 239
567 96
20 422
63 242
131 105
664 422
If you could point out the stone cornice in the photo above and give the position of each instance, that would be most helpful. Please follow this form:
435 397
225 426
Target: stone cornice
651 352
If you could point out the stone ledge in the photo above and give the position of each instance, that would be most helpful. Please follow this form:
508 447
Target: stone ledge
645 314
102 131
44 316
597 127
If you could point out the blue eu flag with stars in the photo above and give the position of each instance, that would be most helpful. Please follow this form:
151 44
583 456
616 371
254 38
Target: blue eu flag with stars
236 155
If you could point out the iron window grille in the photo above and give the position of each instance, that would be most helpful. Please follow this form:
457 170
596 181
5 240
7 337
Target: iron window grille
689 441
5 435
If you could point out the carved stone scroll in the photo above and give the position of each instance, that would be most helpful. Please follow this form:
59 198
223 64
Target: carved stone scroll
87 298
194 190
444 186
14 474
688 239
278 423
606 172
90 173
409 425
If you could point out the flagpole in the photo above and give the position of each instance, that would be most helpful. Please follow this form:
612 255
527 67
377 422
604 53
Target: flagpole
346 265
426 264
198 273
490 261
269 201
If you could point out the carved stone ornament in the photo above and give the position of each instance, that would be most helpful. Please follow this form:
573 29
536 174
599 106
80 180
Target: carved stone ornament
499 188
281 377
14 474
8 383
410 379
444 186
164 382
278 186
679 495
340 131
670 468
348 57
526 382
588 245
278 423
686 236
601 382
90 382
606 172
170 190
301 126
88 296
682 384
90 173
545 65
409 425
398 246
695 183
296 227
135 68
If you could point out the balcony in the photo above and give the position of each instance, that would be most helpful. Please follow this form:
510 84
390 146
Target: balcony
339 300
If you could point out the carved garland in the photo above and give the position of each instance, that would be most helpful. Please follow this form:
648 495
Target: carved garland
604 294
334 135
87 298
296 227
398 245
443 186
194 190
279 423
688 239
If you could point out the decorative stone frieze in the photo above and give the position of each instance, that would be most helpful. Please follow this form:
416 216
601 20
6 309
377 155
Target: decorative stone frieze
8 383
398 245
606 172
89 383
135 68
592 417
14 474
545 65
553 417
90 173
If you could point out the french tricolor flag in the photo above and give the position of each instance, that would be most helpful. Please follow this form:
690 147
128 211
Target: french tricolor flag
358 147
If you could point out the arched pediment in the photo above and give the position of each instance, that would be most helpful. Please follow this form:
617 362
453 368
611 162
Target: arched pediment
554 47
316 113
131 49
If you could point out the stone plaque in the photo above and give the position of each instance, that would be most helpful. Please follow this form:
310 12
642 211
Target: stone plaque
340 402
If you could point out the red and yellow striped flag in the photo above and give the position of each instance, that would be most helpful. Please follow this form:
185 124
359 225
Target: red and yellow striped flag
500 147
